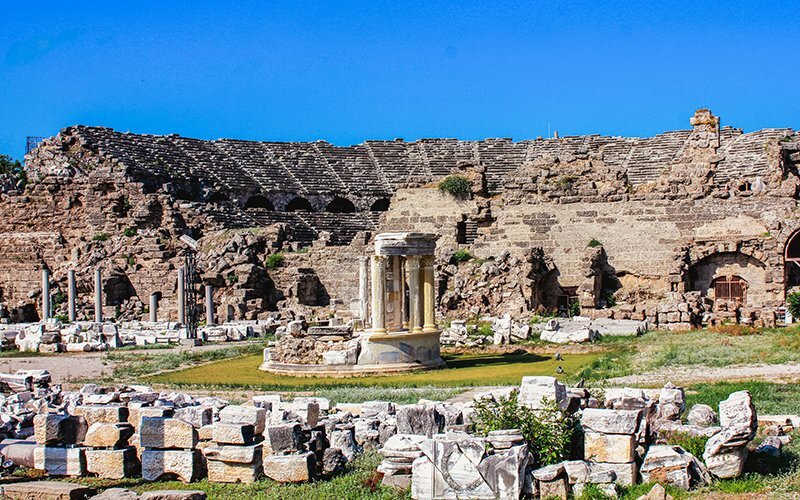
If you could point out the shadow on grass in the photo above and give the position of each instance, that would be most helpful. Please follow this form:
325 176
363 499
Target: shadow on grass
480 360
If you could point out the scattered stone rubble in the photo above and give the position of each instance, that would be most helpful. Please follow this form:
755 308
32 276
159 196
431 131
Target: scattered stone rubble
122 432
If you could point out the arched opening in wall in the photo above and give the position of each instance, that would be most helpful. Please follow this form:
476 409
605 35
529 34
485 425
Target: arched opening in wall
340 206
259 201
729 277
117 289
380 205
184 195
732 288
218 197
791 264
310 290
299 205
231 316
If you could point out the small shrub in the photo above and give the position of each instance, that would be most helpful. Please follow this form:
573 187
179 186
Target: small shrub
274 260
575 308
548 432
593 243
100 237
456 185
610 299
461 255
130 232
59 298
793 302
566 181
485 330
695 445
62 318
233 278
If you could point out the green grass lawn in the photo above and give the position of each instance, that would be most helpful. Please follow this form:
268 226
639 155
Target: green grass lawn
462 371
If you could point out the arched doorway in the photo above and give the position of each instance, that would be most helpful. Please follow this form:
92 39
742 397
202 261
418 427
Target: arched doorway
340 206
380 205
259 201
298 205
791 263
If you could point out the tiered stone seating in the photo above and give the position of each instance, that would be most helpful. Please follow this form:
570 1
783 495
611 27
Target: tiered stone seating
745 155
270 174
218 165
500 156
354 167
393 161
343 227
305 165
443 155
652 157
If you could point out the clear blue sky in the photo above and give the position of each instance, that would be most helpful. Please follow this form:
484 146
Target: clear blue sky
348 71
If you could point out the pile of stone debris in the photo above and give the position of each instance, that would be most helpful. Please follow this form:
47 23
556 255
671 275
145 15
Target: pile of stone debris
431 447
83 336
505 330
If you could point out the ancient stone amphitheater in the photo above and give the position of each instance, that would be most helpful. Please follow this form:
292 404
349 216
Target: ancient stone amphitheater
685 227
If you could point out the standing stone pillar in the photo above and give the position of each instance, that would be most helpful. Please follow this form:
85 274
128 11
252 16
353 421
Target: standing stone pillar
181 296
395 304
45 294
209 305
414 294
72 294
153 307
403 304
363 286
428 294
379 294
98 296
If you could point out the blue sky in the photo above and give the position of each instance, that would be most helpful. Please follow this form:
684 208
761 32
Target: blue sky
348 71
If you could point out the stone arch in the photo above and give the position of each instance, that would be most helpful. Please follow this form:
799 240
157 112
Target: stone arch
258 201
791 262
703 275
380 205
299 204
217 197
340 205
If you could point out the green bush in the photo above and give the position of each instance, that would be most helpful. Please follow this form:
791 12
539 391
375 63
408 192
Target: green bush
548 432
462 255
130 232
793 301
456 185
695 445
593 243
274 260
233 278
100 237
575 308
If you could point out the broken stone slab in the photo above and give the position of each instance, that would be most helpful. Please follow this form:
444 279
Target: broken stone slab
611 421
238 434
173 495
164 433
247 415
198 416
372 408
58 461
105 414
657 492
117 494
419 419
673 465
293 468
345 441
280 439
135 414
626 474
536 391
333 461
324 403
609 448
726 451
552 481
54 428
234 454
230 472
106 435
184 465
46 490
112 464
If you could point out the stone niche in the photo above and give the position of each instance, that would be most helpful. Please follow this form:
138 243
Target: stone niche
401 334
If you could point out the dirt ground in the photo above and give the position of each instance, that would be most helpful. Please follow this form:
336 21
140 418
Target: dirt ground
695 374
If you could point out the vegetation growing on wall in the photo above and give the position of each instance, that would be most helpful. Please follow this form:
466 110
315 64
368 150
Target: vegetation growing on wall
457 185
274 260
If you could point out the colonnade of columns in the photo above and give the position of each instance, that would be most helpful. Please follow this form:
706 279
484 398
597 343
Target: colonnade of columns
72 298
420 316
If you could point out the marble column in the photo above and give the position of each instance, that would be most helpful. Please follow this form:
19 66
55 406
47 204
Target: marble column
45 294
98 296
363 286
428 295
403 304
181 296
379 293
72 295
414 294
209 305
153 307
